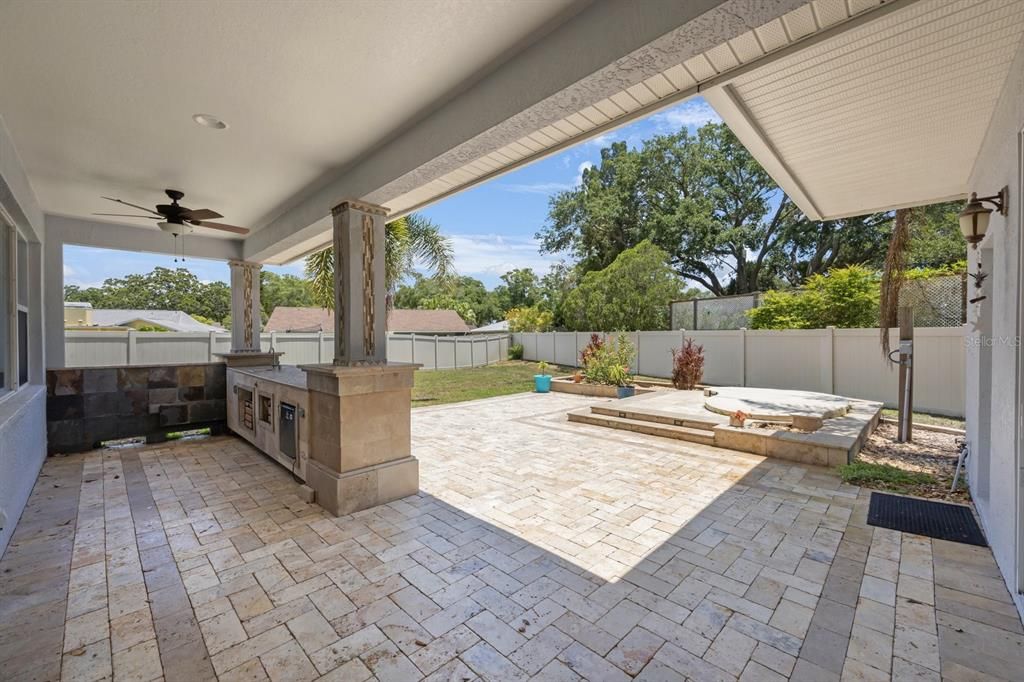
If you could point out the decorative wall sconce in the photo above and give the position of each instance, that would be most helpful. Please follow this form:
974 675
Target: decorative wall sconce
974 217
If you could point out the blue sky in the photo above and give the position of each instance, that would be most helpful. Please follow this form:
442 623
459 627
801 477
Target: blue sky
492 226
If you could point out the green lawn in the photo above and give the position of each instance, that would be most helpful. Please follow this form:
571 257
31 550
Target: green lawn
436 387
922 418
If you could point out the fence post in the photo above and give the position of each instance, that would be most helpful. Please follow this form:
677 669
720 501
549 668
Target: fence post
412 351
638 336
472 353
210 346
743 356
130 348
435 352
828 359
694 314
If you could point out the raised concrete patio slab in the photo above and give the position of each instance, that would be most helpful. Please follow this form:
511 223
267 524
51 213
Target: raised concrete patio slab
535 549
684 415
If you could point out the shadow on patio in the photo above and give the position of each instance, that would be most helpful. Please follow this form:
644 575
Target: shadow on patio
534 548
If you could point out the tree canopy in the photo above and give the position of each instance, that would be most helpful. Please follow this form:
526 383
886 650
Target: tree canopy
161 289
709 205
285 290
632 293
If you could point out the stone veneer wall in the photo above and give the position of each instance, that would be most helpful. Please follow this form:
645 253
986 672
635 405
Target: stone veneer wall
86 406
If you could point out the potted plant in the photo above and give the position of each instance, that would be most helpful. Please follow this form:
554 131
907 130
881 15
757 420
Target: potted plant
542 381
619 376
737 418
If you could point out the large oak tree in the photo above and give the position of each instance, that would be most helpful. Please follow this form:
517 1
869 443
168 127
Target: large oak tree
703 198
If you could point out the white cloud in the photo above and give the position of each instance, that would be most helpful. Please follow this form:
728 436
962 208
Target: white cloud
693 113
494 254
579 172
536 188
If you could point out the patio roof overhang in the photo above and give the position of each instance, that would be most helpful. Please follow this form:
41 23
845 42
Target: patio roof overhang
887 114
325 105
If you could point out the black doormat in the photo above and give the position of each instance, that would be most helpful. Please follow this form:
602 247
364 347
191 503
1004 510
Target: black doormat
953 522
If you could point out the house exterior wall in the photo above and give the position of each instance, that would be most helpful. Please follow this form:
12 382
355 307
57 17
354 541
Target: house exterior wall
993 346
22 411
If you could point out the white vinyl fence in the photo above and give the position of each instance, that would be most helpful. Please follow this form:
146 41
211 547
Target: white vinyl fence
106 349
844 362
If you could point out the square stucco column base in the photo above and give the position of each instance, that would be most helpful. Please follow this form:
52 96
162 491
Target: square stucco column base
360 435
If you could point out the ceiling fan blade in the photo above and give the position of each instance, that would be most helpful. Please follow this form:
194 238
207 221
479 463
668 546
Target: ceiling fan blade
141 208
221 226
125 215
202 214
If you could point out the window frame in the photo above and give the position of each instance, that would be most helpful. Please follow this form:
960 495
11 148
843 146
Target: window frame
11 306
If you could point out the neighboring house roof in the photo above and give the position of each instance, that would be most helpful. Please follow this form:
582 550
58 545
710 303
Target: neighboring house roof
492 328
174 320
287 319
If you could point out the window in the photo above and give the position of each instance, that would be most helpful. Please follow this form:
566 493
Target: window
22 278
7 285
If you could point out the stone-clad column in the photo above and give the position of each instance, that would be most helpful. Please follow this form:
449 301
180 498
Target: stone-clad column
245 307
360 313
360 405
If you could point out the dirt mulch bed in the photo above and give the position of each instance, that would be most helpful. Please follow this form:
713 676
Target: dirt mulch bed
931 453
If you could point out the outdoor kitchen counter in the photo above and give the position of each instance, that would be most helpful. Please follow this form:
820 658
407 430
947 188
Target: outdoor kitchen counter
268 407
289 375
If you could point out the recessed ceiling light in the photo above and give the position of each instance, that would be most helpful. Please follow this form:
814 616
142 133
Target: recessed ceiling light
209 121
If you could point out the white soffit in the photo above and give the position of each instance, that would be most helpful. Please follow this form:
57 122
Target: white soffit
889 114
661 90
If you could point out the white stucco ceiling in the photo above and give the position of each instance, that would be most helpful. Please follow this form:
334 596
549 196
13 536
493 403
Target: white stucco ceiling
99 95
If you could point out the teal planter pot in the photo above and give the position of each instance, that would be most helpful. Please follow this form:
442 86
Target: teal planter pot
542 383
625 391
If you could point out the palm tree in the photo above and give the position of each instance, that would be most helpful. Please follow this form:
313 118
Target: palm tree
410 240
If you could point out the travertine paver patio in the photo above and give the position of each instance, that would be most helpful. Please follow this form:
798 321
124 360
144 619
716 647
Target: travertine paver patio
537 548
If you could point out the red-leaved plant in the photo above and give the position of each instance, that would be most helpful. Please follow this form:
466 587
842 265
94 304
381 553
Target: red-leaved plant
687 365
596 344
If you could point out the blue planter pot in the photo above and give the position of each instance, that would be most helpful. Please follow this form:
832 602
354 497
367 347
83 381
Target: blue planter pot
625 391
542 382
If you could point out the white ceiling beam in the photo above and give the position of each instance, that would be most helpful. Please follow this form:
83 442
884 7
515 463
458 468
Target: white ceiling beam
605 48
82 232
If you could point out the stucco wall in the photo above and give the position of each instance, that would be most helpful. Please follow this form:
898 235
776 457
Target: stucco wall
993 352
22 450
23 412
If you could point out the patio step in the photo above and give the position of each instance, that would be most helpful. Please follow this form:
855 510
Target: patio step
637 413
586 416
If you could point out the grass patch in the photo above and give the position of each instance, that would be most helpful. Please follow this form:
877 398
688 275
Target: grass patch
884 477
924 418
437 387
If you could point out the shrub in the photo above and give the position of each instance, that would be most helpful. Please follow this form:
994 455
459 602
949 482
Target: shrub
610 362
596 344
529 319
845 297
687 365
515 351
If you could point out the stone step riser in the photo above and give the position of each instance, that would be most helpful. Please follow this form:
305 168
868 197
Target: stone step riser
645 427
637 415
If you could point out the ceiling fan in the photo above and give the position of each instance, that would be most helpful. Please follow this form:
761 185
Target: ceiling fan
175 218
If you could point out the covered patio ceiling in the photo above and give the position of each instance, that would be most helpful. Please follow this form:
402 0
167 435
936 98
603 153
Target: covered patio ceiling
405 103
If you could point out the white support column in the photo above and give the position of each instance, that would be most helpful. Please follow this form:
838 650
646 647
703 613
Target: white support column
360 312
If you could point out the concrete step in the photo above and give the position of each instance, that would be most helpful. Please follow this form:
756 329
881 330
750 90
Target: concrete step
637 413
585 416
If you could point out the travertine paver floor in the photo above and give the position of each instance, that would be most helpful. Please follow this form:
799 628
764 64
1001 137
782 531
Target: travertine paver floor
536 548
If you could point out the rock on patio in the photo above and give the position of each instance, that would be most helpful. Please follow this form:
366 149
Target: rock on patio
535 548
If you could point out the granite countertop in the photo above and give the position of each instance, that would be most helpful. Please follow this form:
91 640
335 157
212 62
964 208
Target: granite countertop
289 375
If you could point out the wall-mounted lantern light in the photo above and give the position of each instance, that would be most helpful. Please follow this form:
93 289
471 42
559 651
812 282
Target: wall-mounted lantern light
974 217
